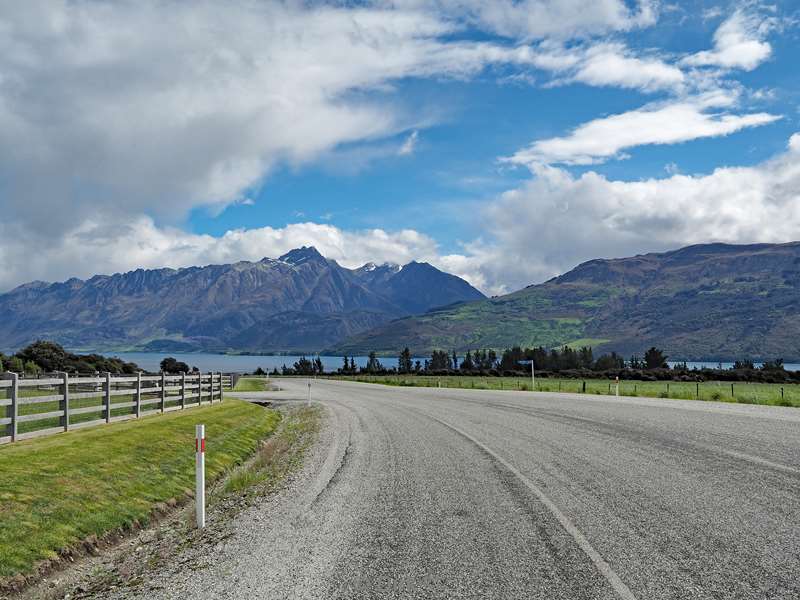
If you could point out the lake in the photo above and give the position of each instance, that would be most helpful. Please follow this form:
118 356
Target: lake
230 363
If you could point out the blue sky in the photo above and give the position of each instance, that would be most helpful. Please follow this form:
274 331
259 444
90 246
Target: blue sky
505 141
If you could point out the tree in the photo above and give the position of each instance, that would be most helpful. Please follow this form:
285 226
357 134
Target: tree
455 360
467 364
585 357
303 367
16 365
319 369
773 365
655 359
609 362
373 364
259 371
744 364
404 364
171 365
441 361
31 368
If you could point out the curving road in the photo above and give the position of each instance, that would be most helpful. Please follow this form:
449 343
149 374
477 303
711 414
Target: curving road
439 493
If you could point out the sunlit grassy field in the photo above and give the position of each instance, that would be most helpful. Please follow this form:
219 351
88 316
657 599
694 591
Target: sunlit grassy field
745 393
58 490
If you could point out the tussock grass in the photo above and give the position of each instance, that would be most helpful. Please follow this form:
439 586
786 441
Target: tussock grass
277 455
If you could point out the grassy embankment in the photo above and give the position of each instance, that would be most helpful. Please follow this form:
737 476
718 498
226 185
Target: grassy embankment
60 490
251 384
744 393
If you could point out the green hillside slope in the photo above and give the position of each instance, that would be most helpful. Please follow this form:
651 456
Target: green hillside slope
712 301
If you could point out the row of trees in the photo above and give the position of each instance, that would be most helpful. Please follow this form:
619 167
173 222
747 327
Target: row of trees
47 357
517 360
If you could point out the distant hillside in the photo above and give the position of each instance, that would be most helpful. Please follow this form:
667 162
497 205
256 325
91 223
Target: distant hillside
298 302
712 302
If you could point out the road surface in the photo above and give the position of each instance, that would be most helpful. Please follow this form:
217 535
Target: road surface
442 493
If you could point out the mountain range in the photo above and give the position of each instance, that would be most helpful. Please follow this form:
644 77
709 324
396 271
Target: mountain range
300 302
703 302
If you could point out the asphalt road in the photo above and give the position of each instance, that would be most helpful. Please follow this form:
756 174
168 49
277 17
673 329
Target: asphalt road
441 493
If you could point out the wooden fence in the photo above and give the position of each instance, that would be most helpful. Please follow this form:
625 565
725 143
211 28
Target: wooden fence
43 406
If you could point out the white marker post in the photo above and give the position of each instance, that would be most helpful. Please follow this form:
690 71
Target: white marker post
200 475
309 393
617 386
533 378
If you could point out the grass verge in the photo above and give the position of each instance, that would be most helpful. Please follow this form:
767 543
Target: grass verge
56 492
250 384
772 394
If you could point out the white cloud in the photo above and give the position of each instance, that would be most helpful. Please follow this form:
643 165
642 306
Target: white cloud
536 19
612 64
157 107
544 227
98 246
557 220
739 42
668 122
409 145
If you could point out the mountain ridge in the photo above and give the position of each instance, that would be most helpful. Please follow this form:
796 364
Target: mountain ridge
701 302
219 307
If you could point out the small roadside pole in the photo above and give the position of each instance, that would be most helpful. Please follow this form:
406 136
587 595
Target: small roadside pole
533 373
616 386
309 392
200 475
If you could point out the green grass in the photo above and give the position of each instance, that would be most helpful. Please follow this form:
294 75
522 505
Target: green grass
251 384
744 393
59 490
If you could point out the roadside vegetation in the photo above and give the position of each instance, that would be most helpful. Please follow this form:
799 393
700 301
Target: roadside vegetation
48 357
57 492
743 393
251 384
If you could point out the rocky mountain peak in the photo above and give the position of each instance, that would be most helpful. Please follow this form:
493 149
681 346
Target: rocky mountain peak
302 255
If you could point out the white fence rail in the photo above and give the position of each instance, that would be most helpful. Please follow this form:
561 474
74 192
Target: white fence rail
43 406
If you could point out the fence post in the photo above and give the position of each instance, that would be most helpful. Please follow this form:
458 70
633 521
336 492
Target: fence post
163 391
183 390
211 387
220 385
13 392
108 397
65 378
138 394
